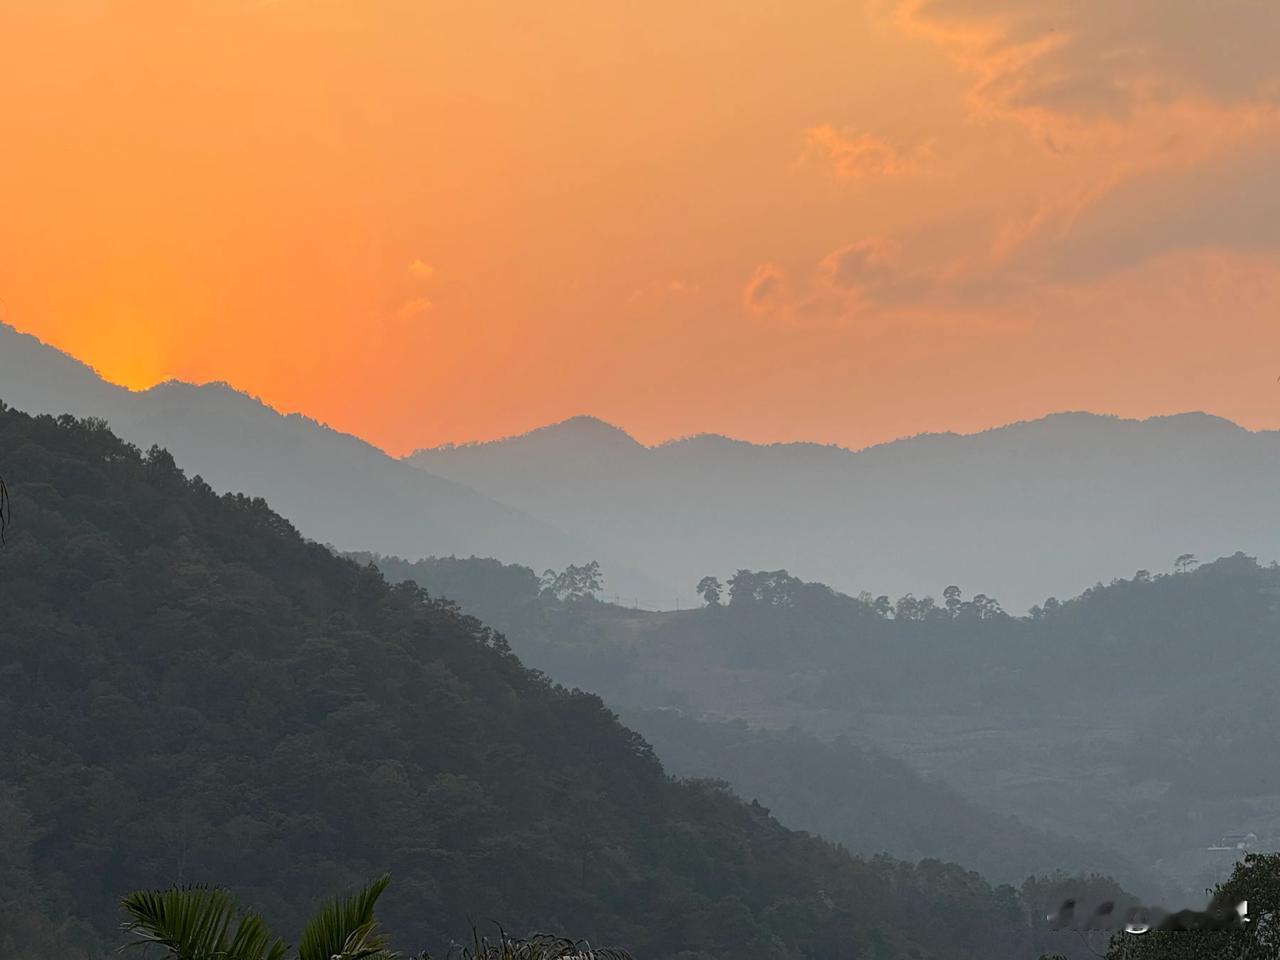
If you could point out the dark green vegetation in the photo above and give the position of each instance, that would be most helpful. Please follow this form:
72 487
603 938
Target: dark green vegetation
203 923
849 793
198 922
1133 717
190 691
1256 880
861 797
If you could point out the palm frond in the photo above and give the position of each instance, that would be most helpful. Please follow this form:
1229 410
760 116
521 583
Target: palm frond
346 929
194 923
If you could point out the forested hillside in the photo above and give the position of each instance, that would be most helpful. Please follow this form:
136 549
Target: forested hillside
864 799
192 692
860 797
1129 717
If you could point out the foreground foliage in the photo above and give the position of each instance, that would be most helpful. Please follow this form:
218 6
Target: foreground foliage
195 923
1255 879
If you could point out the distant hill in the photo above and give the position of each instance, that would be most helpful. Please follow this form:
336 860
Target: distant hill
860 797
1089 497
865 799
193 692
1133 717
333 486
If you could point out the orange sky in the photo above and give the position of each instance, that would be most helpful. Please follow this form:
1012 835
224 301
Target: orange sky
423 221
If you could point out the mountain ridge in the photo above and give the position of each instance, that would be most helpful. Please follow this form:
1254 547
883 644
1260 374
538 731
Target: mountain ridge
1112 494
581 423
335 486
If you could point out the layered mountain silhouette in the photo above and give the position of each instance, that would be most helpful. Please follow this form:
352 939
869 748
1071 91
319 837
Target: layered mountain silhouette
334 487
1089 497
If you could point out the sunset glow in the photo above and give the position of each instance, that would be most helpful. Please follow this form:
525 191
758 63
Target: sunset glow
426 222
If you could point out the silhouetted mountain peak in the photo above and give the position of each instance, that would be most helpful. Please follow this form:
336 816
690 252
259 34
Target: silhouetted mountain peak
703 441
1198 420
586 427
216 391
1084 420
1065 428
585 434
215 398
582 434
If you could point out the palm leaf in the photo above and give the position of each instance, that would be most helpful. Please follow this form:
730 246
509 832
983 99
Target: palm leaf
193 923
345 928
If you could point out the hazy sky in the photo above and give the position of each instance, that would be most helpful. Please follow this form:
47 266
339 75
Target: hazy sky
424 221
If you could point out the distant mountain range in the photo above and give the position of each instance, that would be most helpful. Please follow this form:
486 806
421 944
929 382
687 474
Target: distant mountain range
1022 512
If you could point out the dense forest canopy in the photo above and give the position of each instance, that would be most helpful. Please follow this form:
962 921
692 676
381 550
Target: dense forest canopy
193 692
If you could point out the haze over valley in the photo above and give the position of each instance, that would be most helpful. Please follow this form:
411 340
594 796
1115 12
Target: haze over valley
1094 497
1091 497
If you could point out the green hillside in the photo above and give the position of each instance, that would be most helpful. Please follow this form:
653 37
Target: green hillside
860 797
1131 718
192 692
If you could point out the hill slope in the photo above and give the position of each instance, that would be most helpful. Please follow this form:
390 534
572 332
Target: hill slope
333 486
193 692
1130 717
862 798
1090 497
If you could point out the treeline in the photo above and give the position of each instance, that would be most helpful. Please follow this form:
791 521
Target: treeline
778 588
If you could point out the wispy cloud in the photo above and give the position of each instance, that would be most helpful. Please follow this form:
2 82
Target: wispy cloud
765 290
856 156
1090 61
413 309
